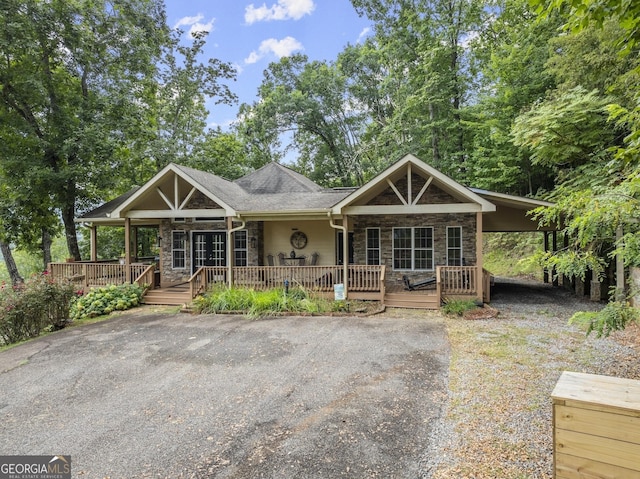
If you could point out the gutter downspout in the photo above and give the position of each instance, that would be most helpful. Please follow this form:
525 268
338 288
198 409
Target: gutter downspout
345 252
230 231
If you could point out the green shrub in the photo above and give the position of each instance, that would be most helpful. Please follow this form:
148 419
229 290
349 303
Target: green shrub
457 307
105 300
615 316
28 309
258 304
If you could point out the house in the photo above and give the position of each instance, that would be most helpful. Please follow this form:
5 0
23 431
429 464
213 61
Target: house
409 225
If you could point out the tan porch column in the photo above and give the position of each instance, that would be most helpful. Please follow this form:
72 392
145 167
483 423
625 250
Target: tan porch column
229 221
479 256
345 255
127 248
94 243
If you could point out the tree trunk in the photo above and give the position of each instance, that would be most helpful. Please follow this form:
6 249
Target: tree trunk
435 147
46 248
14 274
68 213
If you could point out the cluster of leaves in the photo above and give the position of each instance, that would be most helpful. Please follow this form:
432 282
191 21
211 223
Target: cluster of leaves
457 307
38 304
105 300
257 304
615 316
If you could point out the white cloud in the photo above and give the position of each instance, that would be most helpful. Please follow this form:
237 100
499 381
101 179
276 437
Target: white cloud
195 24
188 20
363 34
283 10
280 48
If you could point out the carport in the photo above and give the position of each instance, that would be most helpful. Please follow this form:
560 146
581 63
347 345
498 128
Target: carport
512 215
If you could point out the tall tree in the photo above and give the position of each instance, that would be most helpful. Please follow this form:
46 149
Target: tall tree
309 102
426 48
602 198
70 80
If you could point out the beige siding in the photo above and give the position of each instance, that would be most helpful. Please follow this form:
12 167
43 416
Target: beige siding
321 239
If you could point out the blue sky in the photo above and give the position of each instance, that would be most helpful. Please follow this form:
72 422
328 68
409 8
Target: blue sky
250 35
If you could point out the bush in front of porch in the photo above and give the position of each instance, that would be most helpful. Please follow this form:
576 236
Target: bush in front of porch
257 304
100 301
40 303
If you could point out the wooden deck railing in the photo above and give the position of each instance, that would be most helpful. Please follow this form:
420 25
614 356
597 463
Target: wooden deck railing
146 278
98 274
457 280
361 278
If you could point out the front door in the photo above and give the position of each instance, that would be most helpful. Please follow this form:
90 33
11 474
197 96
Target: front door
340 248
209 249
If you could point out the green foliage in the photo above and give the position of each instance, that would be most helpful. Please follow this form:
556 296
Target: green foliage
457 307
570 263
28 309
30 263
615 316
105 300
506 254
257 304
568 129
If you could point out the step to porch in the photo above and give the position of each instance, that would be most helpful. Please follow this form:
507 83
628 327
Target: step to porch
411 300
167 296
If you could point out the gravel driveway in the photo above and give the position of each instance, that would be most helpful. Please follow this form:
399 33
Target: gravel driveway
157 394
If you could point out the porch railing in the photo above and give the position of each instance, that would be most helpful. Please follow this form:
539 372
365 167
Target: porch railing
463 280
456 280
361 278
99 274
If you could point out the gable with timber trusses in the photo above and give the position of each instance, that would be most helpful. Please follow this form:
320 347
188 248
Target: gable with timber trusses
431 194
179 192
410 186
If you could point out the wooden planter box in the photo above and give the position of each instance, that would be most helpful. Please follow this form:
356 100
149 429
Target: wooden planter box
596 427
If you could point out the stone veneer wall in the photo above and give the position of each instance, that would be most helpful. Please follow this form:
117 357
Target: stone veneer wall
433 195
439 222
172 276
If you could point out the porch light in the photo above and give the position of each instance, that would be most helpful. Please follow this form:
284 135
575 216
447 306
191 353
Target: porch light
253 242
158 241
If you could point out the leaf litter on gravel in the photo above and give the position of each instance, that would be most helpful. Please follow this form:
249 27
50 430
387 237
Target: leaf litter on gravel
501 377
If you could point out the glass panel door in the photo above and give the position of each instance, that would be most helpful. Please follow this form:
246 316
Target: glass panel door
209 249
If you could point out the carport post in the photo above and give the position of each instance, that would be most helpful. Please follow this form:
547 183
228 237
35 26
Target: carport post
546 249
479 257
619 265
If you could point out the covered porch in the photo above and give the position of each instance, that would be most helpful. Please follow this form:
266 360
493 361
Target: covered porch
363 282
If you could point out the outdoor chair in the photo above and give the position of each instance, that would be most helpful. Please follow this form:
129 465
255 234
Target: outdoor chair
314 259
270 259
281 259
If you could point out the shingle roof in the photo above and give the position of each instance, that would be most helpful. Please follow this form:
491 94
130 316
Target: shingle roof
104 210
275 178
226 190
271 188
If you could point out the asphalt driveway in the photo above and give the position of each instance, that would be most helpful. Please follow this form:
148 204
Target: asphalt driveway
150 394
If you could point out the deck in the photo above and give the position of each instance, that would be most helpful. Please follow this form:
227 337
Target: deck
363 282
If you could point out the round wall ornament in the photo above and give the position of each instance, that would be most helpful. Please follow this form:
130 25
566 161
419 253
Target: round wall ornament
298 240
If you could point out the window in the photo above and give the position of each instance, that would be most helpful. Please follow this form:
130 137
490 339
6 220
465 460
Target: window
413 248
454 245
373 245
240 248
178 249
